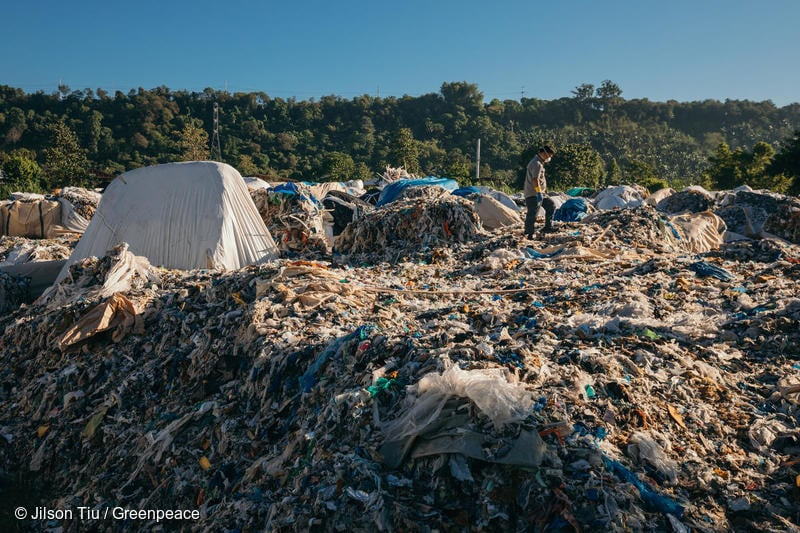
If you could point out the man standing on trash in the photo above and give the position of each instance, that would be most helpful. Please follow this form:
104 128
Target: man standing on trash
535 187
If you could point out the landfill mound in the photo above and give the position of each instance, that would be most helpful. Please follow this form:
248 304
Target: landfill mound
601 378
420 219
500 388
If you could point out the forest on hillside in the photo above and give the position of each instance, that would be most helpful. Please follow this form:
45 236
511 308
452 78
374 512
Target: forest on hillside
87 137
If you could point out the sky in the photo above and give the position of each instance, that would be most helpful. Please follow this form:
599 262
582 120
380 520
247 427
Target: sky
683 50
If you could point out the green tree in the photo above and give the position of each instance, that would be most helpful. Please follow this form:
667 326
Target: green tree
338 166
609 95
638 171
723 171
65 161
613 172
22 175
729 169
583 92
193 143
16 123
787 162
756 170
405 151
246 166
575 165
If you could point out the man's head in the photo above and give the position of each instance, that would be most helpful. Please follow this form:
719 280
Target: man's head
546 152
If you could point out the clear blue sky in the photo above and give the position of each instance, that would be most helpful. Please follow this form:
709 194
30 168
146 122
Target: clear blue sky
682 50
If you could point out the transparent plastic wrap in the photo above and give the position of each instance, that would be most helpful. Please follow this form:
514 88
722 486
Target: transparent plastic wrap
651 447
490 389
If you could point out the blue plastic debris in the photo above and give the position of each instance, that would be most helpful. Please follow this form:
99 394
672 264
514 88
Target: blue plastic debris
656 501
705 269
573 210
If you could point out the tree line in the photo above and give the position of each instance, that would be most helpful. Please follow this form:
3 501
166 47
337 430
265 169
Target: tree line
86 137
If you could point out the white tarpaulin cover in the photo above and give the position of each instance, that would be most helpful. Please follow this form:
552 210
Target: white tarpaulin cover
189 215
622 196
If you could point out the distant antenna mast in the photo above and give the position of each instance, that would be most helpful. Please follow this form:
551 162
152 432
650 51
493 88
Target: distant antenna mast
522 93
215 148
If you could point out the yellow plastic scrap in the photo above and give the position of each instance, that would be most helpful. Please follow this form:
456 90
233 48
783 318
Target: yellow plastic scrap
205 464
42 430
237 297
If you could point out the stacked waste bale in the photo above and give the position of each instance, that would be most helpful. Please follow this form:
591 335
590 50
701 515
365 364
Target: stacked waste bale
643 226
423 217
84 201
295 219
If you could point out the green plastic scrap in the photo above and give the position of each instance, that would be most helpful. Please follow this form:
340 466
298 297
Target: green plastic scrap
381 384
649 334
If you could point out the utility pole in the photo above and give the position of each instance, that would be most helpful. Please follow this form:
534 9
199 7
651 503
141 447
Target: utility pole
215 147
478 162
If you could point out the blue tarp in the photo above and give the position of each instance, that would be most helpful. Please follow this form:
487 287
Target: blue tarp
466 191
287 188
292 189
392 191
572 210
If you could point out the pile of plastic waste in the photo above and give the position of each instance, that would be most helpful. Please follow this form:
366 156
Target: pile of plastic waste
605 377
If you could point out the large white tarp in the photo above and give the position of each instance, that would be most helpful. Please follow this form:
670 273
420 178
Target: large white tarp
620 196
189 215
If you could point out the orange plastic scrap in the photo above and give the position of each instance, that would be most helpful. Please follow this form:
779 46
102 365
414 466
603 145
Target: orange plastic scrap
560 429
643 416
447 231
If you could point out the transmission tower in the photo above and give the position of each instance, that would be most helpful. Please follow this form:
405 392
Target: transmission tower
216 151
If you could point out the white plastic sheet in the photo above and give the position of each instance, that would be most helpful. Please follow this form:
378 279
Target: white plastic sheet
179 215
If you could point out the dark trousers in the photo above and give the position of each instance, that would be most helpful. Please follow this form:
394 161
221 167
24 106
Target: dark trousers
532 206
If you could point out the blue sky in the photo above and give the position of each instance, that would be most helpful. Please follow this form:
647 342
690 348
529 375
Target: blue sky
682 50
